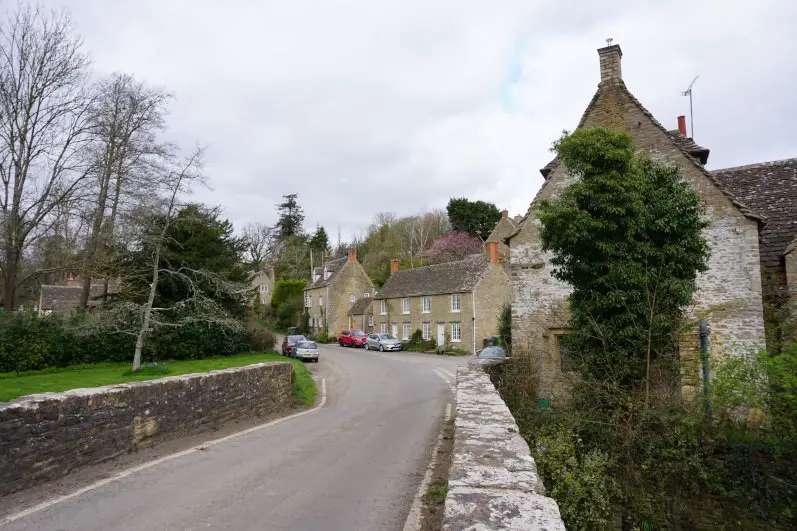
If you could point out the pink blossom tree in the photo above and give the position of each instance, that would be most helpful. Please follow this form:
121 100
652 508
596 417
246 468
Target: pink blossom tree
453 246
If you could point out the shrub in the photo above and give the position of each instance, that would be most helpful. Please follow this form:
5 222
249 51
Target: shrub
418 344
261 339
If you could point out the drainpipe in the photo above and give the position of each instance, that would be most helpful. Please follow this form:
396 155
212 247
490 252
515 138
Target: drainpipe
473 307
326 313
705 367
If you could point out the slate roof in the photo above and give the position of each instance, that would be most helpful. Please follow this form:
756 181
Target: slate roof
66 298
361 307
450 277
333 266
770 188
503 228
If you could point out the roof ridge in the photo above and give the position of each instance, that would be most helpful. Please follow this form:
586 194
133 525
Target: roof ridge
755 165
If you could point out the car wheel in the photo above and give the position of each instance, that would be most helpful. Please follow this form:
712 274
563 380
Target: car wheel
381 348
367 347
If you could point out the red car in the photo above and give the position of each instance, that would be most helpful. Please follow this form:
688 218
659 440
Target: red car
352 338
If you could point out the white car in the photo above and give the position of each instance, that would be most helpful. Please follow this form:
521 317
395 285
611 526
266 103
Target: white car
382 342
306 350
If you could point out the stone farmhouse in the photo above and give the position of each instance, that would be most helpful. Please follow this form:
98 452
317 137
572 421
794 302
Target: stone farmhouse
455 303
729 294
334 288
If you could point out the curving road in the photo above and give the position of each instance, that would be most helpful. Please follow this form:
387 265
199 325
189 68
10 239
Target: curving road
354 464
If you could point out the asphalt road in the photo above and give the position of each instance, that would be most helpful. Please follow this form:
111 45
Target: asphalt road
354 464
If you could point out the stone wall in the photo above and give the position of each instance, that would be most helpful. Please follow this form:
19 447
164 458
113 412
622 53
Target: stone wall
43 437
493 481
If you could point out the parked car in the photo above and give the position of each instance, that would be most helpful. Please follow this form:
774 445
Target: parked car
306 350
352 338
289 344
491 352
382 342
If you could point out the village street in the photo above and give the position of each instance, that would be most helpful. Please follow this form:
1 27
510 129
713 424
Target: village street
355 463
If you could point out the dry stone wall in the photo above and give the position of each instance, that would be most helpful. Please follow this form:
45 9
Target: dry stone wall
43 437
493 482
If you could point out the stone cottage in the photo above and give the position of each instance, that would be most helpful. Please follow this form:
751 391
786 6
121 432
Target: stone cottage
263 282
64 299
770 189
729 294
334 288
455 303
504 228
361 315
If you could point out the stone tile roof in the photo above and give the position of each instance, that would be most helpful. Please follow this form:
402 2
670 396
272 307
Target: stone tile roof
503 228
770 188
690 146
361 307
678 142
332 266
66 298
450 277
792 246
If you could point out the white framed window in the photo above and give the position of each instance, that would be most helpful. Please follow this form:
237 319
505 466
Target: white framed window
456 332
426 304
370 320
405 305
383 328
352 298
320 300
308 301
427 330
312 322
366 295
263 289
455 302
405 331
383 309
263 299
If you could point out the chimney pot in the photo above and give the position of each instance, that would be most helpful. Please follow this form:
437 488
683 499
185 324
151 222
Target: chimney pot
394 265
492 252
682 125
610 61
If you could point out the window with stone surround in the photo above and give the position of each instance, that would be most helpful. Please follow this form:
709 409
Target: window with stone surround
371 320
455 302
426 304
427 331
405 331
383 328
456 332
405 305
383 309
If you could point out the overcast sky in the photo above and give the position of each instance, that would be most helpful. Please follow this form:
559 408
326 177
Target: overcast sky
397 105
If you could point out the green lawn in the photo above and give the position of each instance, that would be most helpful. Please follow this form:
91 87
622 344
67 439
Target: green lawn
13 385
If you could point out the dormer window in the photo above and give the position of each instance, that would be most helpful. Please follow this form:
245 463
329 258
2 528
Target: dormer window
352 298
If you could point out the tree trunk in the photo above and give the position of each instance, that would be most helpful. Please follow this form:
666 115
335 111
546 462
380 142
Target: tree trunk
142 334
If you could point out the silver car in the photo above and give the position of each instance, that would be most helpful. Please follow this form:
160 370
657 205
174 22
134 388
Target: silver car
382 342
306 350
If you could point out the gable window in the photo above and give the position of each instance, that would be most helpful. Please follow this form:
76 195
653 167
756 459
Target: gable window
263 289
426 304
366 295
370 320
320 300
383 308
427 331
405 305
383 328
308 301
352 298
456 332
455 302
405 331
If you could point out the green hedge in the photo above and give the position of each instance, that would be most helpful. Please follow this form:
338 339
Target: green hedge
28 342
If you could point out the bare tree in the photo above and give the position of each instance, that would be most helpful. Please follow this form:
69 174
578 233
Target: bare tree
125 121
260 244
43 126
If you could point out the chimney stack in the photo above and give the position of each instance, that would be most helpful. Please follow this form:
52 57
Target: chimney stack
504 214
682 125
352 255
394 265
326 256
492 252
72 280
610 59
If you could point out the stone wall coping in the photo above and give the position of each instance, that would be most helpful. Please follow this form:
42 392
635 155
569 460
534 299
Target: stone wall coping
493 481
32 402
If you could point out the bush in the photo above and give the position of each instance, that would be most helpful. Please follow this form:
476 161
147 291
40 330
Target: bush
418 344
261 339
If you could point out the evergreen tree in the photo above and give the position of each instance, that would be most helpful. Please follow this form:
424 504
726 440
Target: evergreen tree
477 218
291 218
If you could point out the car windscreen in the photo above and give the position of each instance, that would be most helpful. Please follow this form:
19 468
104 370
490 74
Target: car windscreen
386 336
358 333
296 339
307 344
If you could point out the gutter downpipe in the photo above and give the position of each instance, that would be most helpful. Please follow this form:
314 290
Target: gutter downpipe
705 366
473 306
326 314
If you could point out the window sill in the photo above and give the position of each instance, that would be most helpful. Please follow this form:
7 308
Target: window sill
427 311
456 311
456 341
405 313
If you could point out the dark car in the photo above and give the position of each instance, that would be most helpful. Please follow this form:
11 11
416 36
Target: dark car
289 345
352 338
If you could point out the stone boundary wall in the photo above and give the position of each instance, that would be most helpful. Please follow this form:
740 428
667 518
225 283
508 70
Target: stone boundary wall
493 481
43 437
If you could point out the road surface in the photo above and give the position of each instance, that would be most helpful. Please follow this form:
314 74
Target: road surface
354 464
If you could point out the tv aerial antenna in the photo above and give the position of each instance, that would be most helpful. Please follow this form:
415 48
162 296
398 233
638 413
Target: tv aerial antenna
688 92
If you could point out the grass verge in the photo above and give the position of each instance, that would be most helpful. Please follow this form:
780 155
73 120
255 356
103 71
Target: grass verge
55 379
